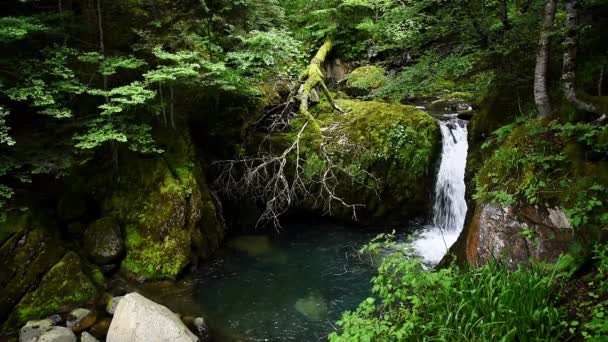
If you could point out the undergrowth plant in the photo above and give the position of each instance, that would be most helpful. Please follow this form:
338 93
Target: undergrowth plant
531 162
490 303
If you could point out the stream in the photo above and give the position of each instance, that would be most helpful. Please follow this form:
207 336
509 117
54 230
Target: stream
294 286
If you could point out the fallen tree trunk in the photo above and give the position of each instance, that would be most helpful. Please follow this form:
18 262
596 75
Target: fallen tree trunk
300 97
313 77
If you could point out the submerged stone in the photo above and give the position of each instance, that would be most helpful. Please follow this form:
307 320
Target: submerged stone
80 319
201 329
253 245
312 307
100 328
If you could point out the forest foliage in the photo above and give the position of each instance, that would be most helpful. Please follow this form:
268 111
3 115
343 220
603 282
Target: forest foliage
81 82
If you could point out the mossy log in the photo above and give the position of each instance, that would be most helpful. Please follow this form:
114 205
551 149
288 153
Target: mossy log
310 79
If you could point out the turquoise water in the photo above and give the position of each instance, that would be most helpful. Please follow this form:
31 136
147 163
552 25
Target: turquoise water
287 287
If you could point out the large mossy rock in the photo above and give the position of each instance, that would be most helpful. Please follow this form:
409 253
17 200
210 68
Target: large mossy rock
365 79
64 286
396 144
168 213
29 247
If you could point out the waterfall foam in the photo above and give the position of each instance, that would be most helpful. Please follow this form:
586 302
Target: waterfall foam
450 208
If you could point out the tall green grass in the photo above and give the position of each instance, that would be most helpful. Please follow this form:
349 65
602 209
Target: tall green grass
490 303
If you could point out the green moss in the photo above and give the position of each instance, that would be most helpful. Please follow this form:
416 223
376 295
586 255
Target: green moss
25 257
395 143
367 77
97 277
14 223
557 164
165 207
156 259
391 132
64 286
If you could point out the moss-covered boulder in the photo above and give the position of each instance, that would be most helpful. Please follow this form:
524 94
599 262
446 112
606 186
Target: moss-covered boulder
64 286
29 247
365 79
167 211
103 241
389 151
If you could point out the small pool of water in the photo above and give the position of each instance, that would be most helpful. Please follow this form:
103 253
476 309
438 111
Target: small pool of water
291 286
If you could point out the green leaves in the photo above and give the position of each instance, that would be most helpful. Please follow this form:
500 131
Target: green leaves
17 28
109 65
4 137
490 303
267 54
48 84
138 137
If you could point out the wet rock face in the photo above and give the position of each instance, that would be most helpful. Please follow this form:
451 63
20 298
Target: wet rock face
28 249
140 319
168 214
103 241
64 285
517 234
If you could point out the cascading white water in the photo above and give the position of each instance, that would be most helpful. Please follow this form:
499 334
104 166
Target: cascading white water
450 207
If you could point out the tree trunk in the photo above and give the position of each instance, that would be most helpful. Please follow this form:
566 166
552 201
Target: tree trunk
298 100
311 78
569 66
600 81
504 15
541 94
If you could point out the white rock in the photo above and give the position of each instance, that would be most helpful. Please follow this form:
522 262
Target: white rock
33 329
558 218
57 334
138 319
86 337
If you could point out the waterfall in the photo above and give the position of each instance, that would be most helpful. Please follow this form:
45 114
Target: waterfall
450 208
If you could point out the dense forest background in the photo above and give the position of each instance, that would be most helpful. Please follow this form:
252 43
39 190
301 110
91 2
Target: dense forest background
96 94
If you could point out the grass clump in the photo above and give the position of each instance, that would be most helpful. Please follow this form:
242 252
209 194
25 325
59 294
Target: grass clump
490 303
